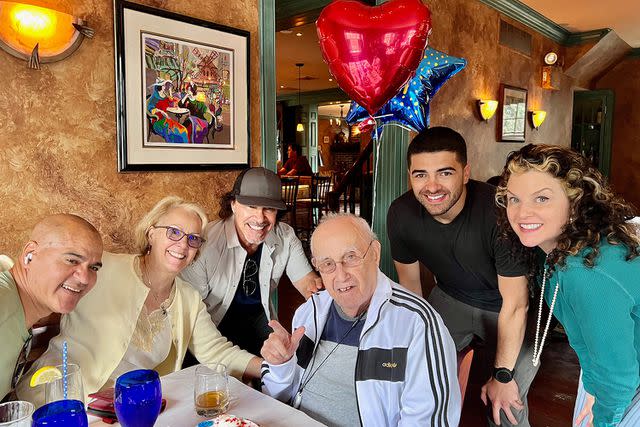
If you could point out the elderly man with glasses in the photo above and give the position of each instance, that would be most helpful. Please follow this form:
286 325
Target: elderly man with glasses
246 254
367 351
57 267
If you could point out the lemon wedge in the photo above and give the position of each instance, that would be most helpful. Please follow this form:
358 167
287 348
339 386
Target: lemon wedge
44 375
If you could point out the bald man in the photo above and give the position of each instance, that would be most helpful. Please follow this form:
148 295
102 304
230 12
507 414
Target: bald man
365 351
57 267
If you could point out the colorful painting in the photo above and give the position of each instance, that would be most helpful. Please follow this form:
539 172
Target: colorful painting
187 93
182 91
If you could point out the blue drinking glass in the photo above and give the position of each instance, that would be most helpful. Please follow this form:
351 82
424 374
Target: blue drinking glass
138 397
61 413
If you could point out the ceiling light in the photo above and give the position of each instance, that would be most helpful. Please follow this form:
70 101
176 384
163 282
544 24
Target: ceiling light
299 34
300 126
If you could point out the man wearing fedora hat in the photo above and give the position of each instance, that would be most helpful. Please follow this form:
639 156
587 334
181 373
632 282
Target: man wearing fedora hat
246 253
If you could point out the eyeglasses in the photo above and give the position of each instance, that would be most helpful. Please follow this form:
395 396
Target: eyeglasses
175 234
21 362
250 270
350 259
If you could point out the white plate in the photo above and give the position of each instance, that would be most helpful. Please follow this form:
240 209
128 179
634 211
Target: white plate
228 420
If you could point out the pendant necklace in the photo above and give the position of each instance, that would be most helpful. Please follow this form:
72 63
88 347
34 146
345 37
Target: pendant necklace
538 351
147 282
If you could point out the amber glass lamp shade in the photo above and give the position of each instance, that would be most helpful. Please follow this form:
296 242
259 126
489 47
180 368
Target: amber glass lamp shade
23 26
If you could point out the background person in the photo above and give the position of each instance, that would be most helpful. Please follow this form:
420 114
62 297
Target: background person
296 163
247 252
142 316
366 351
557 201
447 222
56 268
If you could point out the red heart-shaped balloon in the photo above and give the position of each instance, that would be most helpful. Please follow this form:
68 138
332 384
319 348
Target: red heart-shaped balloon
373 51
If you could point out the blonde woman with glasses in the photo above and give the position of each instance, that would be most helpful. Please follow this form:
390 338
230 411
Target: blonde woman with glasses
141 315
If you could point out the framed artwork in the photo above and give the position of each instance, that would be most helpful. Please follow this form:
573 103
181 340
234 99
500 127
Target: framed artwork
513 114
182 92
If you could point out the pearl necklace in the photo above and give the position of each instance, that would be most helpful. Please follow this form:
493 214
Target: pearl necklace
538 351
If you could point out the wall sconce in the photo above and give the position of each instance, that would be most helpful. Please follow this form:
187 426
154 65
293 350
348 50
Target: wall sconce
537 117
551 72
487 108
300 127
38 34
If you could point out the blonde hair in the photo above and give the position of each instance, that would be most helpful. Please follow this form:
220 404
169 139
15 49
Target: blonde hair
158 211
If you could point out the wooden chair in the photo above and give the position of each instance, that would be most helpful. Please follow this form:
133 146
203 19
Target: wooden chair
310 209
319 189
290 196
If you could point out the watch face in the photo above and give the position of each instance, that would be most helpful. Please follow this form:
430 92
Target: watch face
503 375
550 58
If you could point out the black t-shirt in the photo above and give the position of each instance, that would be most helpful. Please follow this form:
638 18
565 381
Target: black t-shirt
466 255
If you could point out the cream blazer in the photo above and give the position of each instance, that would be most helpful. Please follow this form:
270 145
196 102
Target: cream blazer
98 331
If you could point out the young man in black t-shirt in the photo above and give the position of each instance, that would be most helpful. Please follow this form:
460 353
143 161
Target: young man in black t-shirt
447 222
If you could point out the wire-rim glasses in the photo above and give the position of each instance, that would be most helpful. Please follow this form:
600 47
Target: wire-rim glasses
350 259
175 234
249 274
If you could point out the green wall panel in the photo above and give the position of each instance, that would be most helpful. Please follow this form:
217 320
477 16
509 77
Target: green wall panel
391 183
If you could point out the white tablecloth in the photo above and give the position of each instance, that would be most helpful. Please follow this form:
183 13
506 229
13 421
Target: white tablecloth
246 402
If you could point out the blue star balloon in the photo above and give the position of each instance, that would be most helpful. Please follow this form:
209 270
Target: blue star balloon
410 107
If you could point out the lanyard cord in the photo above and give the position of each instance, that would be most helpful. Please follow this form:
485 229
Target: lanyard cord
304 383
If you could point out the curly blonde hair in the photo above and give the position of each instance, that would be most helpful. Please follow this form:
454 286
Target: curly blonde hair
594 210
141 238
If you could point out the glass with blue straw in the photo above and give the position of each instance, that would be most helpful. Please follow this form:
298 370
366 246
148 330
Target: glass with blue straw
69 386
66 412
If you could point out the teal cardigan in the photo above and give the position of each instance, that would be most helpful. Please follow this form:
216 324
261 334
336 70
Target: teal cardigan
599 308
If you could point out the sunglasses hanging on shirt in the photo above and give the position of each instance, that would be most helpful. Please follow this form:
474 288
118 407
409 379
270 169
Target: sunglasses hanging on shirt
249 277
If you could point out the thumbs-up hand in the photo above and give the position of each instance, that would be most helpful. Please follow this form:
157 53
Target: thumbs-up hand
281 346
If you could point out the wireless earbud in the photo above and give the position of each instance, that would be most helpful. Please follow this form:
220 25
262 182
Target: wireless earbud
28 258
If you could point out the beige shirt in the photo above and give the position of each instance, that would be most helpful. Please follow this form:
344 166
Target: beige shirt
99 330
13 330
216 272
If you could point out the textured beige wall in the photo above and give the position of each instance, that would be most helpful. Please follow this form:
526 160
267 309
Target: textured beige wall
58 146
624 80
470 29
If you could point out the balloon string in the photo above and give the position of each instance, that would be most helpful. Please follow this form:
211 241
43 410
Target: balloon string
376 141
383 115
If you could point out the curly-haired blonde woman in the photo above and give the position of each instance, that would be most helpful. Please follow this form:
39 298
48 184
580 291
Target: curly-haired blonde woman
556 200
